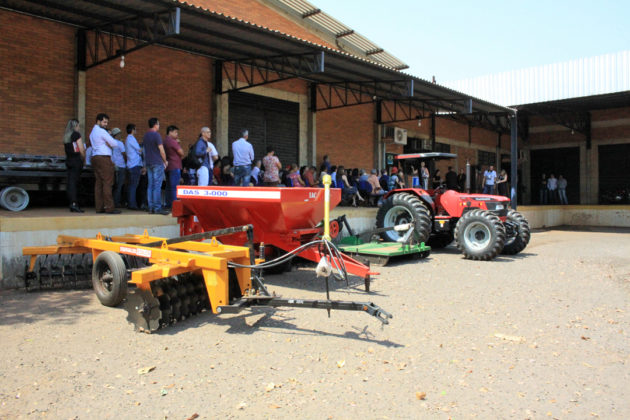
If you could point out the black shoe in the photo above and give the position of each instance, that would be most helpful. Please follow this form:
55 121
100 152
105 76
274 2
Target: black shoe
100 211
133 208
115 211
74 208
162 211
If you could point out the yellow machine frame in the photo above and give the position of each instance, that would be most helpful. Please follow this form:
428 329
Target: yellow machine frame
208 258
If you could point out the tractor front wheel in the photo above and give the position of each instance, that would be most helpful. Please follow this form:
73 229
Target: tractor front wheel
404 208
517 233
109 278
480 235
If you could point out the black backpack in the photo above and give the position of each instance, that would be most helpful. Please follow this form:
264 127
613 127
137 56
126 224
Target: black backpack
192 161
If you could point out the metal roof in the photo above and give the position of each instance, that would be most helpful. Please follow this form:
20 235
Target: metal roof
345 37
216 35
583 104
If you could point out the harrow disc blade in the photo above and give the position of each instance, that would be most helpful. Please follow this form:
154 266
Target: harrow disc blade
143 310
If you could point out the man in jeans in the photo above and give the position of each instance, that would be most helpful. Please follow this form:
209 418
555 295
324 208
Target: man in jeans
155 161
174 155
488 180
118 159
134 166
102 145
243 156
208 154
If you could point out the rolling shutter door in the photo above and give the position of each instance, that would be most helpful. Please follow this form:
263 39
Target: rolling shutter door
271 122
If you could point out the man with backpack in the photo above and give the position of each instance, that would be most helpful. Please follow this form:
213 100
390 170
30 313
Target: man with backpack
205 155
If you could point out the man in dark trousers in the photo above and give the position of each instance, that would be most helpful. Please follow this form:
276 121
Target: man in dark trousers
102 145
451 179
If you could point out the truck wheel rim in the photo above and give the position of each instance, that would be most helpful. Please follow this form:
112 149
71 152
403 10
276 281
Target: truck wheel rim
397 215
477 235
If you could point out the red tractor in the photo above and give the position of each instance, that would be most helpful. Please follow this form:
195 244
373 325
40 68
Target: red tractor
482 225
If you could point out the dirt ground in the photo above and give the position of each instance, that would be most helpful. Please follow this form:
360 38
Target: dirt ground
540 335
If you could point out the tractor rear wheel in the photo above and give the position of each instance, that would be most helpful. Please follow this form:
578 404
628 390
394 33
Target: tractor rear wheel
404 208
480 235
440 240
519 235
109 278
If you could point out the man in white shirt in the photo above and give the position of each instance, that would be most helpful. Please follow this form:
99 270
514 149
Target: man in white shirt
552 187
206 151
488 184
102 145
243 156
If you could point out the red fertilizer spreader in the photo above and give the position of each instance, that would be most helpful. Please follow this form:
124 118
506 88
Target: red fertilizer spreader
283 218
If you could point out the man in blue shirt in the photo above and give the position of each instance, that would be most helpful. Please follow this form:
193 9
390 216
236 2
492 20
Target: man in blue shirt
102 145
489 176
118 159
134 166
155 160
243 156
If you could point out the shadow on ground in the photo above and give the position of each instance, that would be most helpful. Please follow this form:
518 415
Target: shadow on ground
66 307
275 321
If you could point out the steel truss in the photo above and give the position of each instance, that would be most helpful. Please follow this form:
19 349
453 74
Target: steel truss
115 39
266 70
334 95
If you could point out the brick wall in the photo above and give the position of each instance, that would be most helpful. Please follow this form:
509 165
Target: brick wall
36 84
174 86
346 135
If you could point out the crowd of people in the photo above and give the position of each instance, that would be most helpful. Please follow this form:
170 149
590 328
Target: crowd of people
131 173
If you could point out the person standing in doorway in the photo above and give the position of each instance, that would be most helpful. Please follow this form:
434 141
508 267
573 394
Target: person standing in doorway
562 190
543 192
552 187
155 161
205 150
243 157
75 155
174 155
134 166
102 145
489 178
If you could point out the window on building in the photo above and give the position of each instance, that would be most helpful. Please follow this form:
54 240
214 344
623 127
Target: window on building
442 148
486 158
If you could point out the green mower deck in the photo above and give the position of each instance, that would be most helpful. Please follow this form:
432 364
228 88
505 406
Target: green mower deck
380 253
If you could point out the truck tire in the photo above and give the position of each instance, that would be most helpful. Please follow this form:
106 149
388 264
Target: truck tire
480 235
440 240
403 208
109 278
516 242
14 198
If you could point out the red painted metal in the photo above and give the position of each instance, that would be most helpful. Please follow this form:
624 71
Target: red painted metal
282 217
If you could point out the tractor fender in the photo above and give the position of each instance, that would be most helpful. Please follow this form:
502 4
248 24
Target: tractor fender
421 194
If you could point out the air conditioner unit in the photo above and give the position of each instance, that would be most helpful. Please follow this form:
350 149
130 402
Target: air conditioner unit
400 136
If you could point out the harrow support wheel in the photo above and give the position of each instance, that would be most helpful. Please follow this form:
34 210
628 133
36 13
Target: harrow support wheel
109 278
480 235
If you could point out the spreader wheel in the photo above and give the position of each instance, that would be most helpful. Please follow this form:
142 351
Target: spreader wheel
109 278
